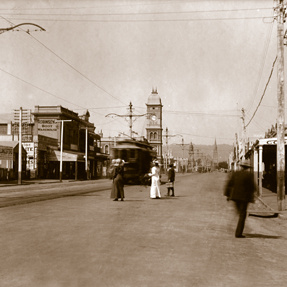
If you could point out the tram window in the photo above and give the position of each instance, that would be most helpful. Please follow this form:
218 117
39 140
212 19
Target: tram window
124 155
132 153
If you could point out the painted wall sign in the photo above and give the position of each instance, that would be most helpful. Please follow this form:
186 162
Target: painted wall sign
48 128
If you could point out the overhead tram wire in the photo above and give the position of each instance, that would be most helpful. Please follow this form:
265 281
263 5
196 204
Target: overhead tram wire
267 44
263 93
42 90
144 20
84 76
135 13
134 3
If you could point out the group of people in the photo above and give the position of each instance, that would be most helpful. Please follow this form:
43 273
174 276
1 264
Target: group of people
118 180
240 188
155 181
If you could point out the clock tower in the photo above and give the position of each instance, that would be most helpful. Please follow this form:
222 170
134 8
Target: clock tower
154 125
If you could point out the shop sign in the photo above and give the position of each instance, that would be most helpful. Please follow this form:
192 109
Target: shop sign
6 153
48 128
29 147
274 142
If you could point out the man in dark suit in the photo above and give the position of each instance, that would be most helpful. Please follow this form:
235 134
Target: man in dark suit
240 188
171 179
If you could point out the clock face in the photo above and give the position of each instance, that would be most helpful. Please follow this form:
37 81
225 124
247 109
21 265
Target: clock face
153 117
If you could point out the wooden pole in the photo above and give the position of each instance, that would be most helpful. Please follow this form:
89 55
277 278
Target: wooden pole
280 111
20 148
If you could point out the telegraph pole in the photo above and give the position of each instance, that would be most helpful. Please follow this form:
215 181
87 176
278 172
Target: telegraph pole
62 144
166 141
130 116
243 133
20 148
281 107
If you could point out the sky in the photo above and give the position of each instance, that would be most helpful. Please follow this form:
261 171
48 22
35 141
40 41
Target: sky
208 60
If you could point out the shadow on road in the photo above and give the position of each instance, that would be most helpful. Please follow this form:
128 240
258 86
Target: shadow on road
248 235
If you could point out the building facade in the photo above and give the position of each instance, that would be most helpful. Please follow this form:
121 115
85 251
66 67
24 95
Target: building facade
56 137
81 153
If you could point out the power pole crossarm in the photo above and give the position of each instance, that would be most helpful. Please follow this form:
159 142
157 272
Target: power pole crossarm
130 116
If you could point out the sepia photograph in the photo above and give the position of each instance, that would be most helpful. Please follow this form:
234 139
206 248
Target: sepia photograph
143 143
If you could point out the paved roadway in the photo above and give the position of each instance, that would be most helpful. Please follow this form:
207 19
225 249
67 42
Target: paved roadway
88 240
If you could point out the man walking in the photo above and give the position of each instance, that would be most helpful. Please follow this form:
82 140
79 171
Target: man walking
171 179
240 188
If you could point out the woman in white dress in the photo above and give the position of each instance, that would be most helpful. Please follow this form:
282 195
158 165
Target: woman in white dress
155 181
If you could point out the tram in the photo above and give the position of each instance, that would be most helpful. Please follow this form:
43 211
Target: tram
138 156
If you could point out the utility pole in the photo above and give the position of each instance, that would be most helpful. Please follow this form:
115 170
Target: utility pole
2 30
20 148
86 153
191 155
130 116
280 109
21 116
166 141
243 133
236 151
182 146
62 143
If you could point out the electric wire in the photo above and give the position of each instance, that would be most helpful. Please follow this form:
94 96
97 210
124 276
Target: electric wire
263 93
143 20
267 44
134 13
72 67
42 90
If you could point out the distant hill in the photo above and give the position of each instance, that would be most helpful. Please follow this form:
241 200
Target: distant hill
223 150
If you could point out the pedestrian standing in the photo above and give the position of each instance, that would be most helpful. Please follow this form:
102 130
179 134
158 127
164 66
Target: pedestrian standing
118 181
155 181
113 175
171 179
241 189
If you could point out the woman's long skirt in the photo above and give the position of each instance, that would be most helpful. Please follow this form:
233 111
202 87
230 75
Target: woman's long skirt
154 189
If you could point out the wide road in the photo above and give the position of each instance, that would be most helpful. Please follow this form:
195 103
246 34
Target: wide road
89 240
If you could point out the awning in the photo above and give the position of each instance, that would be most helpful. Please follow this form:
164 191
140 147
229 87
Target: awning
55 155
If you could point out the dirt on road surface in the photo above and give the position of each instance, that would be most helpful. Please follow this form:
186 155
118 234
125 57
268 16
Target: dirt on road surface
89 240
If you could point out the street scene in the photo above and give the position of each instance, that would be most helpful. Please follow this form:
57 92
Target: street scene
143 143
86 239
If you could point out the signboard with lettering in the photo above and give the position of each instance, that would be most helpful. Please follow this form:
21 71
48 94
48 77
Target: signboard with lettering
48 128
29 147
274 142
6 153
